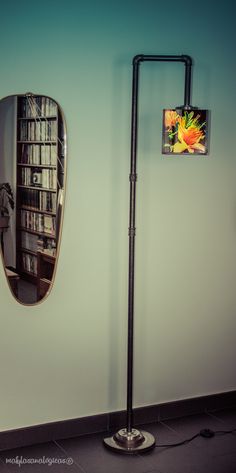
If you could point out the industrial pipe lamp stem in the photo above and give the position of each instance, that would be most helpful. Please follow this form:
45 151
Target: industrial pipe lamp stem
130 440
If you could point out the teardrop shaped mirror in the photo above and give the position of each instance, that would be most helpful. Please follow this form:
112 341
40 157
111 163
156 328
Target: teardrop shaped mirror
32 192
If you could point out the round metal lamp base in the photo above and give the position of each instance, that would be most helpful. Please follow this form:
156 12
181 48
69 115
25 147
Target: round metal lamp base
130 442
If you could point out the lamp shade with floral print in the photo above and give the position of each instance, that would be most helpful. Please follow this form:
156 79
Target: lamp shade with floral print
185 131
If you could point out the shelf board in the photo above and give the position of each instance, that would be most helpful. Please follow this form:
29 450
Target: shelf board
42 166
24 271
26 250
34 209
39 118
35 253
45 280
36 188
35 232
38 142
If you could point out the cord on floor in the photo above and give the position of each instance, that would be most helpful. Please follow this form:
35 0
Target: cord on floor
206 433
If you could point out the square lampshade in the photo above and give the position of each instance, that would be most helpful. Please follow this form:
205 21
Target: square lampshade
185 131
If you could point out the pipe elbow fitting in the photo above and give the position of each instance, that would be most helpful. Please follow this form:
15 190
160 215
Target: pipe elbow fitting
187 60
137 59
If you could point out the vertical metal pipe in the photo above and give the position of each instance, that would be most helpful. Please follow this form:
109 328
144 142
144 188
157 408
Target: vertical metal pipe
187 84
132 178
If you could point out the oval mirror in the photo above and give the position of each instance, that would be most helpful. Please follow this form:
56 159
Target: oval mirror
32 187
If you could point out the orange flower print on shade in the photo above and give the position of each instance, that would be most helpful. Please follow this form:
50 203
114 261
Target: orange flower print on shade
189 140
184 131
171 118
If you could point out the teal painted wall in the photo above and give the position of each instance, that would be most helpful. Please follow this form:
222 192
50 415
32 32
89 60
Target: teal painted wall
66 357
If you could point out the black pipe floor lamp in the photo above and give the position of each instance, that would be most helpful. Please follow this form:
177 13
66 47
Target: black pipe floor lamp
184 132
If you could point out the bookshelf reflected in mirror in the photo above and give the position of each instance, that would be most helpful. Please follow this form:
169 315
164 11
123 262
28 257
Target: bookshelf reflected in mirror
33 157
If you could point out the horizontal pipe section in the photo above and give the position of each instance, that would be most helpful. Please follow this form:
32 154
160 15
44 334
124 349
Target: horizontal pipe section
153 57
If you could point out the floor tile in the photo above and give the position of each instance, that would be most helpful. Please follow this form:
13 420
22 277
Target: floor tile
219 464
40 458
209 447
90 453
227 416
167 459
173 460
193 424
3 467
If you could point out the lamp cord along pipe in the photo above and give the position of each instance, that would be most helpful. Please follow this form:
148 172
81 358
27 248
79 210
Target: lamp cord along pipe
133 178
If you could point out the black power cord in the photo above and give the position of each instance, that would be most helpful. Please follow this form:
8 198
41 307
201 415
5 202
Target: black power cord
206 433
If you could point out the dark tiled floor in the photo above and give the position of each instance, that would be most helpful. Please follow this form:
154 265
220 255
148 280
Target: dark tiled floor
88 455
27 292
